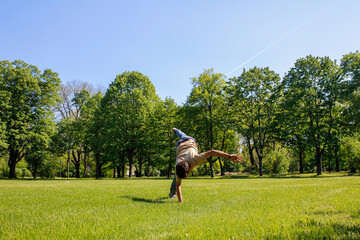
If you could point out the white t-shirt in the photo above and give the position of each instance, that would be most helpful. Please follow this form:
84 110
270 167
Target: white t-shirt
188 151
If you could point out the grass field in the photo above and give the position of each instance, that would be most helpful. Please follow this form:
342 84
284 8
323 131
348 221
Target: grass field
250 208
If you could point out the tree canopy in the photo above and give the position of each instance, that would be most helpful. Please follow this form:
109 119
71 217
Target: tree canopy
306 121
27 97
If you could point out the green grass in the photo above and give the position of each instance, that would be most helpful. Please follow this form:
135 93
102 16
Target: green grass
234 208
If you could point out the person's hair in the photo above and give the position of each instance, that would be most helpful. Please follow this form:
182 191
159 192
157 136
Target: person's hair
182 168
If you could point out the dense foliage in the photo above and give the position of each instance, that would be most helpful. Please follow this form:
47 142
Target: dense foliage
306 122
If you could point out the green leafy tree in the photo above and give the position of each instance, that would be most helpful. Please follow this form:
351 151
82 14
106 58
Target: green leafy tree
206 105
312 89
155 142
126 107
39 150
254 101
170 120
97 140
350 66
27 97
62 141
67 107
78 128
73 97
88 113
3 144
292 124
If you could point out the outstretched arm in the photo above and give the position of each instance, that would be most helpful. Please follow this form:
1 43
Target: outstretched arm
233 157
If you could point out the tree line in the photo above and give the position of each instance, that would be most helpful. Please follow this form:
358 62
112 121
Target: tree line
307 121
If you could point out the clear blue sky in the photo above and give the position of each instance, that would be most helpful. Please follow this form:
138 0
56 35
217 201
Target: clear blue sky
173 41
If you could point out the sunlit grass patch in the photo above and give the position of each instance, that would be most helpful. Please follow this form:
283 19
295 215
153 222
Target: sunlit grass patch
250 208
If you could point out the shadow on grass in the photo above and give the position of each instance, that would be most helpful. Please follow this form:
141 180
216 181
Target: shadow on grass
145 200
326 213
313 229
320 230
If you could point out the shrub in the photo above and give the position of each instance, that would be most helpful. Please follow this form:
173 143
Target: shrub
4 168
49 169
277 161
23 172
350 152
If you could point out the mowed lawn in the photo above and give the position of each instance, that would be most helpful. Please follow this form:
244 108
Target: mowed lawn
250 208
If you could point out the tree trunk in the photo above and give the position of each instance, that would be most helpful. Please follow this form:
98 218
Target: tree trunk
211 142
211 167
260 166
77 163
34 173
301 151
85 167
260 156
123 166
130 153
14 155
69 156
149 165
68 163
85 162
98 166
118 171
222 167
337 160
77 173
252 159
318 160
148 171
138 172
